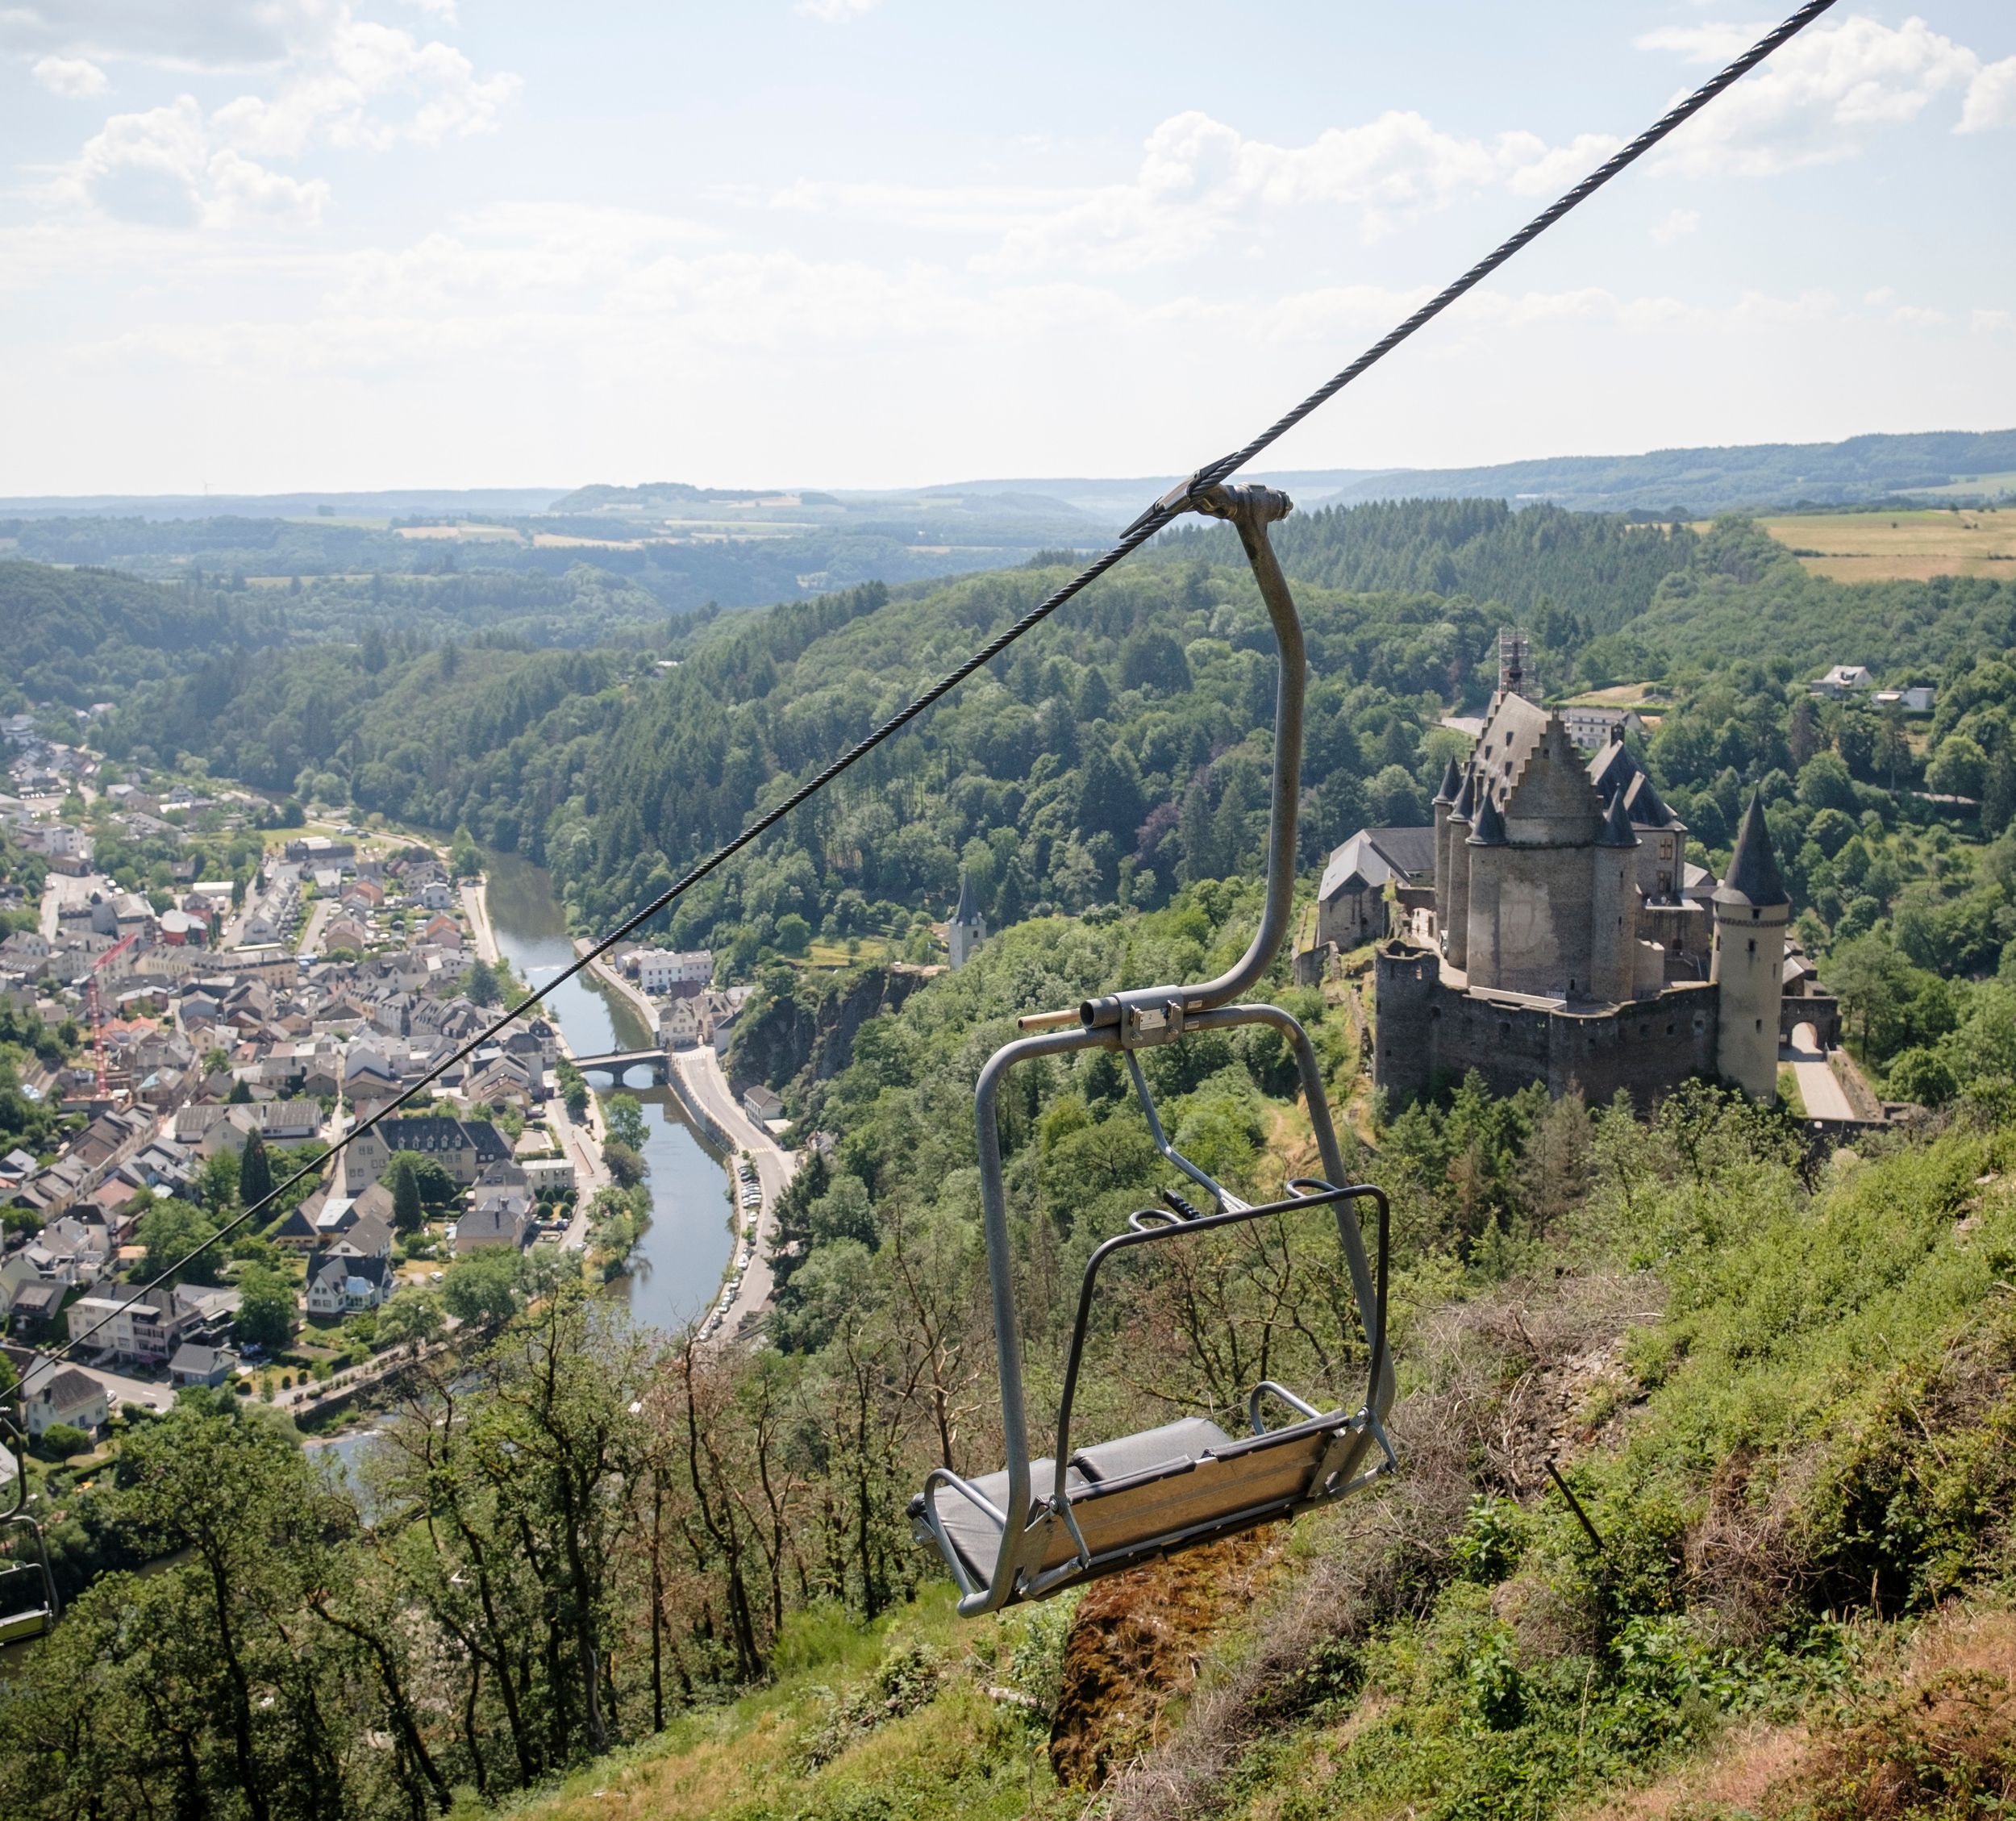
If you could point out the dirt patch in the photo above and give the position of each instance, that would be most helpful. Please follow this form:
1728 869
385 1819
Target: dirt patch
1135 1645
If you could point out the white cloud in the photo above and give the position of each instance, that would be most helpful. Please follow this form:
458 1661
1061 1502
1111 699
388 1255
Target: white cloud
1822 95
1916 316
1881 294
1200 181
435 88
1991 98
1987 322
1679 223
74 78
352 84
162 169
837 12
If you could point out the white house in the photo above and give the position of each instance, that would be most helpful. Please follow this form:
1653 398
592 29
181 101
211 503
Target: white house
1844 679
72 1396
341 1287
664 972
545 1175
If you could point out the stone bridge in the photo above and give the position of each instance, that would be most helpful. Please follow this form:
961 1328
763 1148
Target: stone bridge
617 1064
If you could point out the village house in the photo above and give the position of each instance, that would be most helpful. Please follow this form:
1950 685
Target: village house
145 1329
194 1364
71 1396
339 1285
464 1147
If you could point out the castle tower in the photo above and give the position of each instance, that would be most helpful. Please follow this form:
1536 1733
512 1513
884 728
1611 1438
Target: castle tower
1751 910
968 929
1444 797
1515 664
1614 907
1452 903
1486 851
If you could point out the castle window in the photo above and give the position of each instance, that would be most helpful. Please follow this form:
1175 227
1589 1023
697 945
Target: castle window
1753 945
1669 1030
1761 1024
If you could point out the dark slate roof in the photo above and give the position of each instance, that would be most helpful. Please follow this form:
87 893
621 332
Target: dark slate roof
1753 877
71 1388
968 912
1451 784
1648 808
1617 832
1612 767
1466 802
1488 830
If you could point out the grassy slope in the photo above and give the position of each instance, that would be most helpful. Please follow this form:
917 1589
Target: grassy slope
1820 1412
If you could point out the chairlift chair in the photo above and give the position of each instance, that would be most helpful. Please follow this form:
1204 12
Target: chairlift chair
1039 1526
28 1604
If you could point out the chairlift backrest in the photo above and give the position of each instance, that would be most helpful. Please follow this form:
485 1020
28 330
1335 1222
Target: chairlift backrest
1037 1526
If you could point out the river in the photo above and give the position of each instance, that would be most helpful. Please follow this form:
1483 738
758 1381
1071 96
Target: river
675 1272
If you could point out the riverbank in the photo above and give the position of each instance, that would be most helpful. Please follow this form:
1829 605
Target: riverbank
697 1078
581 1141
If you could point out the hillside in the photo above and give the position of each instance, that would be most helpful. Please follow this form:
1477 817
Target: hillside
1784 1401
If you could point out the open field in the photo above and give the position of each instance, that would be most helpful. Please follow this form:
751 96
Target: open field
1973 487
1618 695
1900 546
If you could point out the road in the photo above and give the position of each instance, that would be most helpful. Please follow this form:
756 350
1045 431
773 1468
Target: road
700 1070
478 912
1821 1093
318 915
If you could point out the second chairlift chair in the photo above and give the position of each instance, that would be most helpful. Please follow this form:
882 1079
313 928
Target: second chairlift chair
1037 1526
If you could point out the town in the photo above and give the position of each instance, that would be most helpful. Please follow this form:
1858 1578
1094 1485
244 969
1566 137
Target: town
197 1040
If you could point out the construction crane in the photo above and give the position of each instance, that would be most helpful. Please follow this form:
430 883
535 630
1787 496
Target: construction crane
94 1007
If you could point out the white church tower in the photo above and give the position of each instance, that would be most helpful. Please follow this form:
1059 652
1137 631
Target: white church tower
968 929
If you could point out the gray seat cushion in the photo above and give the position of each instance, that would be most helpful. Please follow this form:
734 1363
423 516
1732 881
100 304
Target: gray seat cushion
976 1536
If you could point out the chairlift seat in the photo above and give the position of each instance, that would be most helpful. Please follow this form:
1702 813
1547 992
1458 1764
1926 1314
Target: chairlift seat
1135 1497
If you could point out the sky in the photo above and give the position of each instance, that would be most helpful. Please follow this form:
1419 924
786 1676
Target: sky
277 245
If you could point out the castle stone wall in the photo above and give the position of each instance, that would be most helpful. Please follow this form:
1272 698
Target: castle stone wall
1428 1031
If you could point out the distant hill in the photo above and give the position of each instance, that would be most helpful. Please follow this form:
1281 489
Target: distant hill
1702 481
396 503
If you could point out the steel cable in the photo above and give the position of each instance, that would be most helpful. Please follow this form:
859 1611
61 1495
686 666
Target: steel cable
1156 519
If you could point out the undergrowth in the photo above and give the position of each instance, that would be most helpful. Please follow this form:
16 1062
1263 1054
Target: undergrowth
1793 1451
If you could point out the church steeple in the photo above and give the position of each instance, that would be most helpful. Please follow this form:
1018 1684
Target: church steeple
967 928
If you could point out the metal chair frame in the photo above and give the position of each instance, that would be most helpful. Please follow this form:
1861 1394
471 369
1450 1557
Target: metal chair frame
1139 1018
16 1626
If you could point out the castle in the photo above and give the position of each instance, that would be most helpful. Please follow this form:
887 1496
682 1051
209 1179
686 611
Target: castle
1566 939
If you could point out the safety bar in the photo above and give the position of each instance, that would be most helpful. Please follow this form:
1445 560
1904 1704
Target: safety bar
1273 1387
1320 1195
1218 1193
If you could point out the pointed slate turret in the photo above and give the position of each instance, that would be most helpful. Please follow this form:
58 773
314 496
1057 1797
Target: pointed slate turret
1488 830
1753 877
1450 785
1617 832
968 912
1466 798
